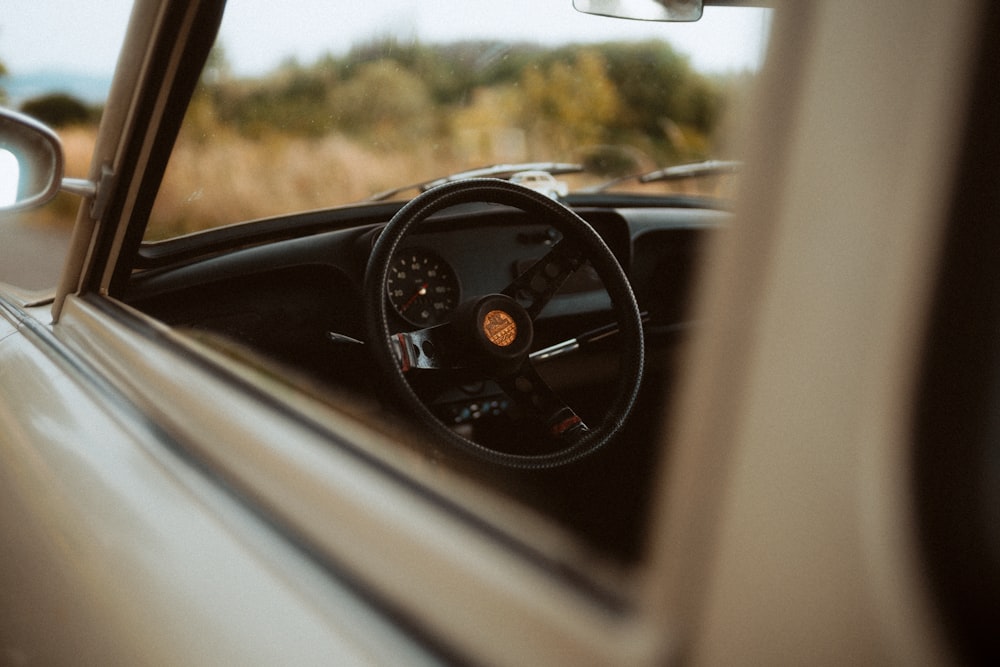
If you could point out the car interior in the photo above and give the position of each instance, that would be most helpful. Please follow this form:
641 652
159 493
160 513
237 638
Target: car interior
292 295
824 485
296 296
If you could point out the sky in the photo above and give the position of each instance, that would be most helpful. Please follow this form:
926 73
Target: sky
84 37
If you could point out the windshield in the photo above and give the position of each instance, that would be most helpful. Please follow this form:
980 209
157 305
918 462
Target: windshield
325 104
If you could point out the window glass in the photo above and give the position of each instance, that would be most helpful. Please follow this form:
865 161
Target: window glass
332 103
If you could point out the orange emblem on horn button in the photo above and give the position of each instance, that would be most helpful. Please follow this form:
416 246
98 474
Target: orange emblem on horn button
500 328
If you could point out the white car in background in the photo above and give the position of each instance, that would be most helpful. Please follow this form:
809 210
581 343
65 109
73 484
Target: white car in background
541 181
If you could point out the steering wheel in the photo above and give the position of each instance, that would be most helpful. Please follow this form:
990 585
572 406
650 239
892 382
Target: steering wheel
491 336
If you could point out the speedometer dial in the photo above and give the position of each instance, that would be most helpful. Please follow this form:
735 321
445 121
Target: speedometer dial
422 287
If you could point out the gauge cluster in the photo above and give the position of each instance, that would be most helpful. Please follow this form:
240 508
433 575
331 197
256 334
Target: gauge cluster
423 288
465 256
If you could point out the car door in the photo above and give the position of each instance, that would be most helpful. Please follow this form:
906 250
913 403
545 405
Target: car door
160 478
173 504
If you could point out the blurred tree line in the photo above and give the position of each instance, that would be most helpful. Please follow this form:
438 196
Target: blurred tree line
389 112
56 109
488 98
61 110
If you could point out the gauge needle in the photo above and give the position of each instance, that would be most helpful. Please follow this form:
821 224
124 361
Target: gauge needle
409 302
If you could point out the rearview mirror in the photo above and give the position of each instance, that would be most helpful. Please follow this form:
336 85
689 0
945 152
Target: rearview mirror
644 10
31 162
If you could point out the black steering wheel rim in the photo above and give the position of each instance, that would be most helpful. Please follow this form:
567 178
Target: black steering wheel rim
572 227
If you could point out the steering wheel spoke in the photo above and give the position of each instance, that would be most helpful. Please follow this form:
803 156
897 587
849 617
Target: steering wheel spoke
536 286
533 395
421 349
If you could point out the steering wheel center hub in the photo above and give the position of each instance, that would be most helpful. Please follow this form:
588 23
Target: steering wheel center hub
500 328
495 331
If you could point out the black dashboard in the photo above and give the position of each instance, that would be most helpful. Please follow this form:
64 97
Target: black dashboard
244 290
296 300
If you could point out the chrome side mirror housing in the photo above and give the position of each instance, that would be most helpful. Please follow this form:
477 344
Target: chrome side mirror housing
31 165
31 162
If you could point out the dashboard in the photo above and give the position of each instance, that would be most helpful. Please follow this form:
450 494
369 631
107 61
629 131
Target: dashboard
294 299
302 289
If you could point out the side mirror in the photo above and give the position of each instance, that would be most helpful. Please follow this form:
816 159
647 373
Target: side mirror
31 162
31 165
643 10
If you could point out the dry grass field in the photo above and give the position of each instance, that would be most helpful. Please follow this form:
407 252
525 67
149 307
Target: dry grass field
232 178
387 114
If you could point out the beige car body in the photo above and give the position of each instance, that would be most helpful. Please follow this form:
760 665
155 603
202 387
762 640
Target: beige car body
163 505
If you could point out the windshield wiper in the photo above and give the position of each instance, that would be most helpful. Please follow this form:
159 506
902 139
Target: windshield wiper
492 171
676 173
